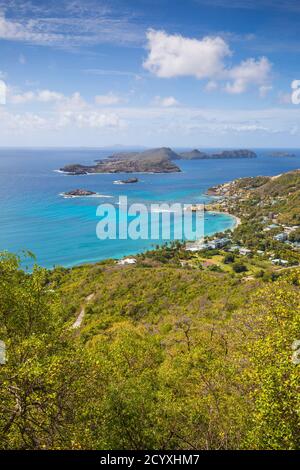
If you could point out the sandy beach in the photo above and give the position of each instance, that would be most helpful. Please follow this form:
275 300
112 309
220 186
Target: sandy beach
237 219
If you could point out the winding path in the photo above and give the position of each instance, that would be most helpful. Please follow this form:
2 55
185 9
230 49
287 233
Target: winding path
77 323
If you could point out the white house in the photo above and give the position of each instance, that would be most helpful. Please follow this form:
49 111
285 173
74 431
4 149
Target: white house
282 262
124 261
244 251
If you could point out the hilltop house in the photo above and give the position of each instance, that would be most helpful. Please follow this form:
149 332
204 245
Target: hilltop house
282 262
244 251
220 242
235 248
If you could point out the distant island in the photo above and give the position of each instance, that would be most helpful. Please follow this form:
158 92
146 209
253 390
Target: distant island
128 181
79 193
193 155
149 161
159 160
281 154
230 154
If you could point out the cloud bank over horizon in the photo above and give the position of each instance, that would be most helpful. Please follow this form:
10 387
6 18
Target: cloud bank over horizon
100 72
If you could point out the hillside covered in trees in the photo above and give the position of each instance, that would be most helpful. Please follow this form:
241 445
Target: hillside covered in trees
165 356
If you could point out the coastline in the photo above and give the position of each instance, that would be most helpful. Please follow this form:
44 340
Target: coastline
237 220
136 252
73 242
236 223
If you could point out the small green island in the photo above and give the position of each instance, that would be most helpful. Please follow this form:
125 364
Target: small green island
79 193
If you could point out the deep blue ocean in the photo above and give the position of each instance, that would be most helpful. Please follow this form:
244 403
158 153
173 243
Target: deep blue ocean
61 231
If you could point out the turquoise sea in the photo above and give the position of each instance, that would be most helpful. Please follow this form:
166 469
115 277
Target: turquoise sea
62 231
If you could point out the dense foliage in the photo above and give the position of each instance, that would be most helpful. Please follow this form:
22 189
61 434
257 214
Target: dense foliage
167 356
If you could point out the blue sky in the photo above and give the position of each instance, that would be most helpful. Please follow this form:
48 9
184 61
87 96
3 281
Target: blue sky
178 73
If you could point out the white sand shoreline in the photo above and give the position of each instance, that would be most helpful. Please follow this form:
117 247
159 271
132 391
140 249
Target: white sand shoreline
236 219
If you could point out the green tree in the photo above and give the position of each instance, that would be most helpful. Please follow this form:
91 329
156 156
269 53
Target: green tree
229 258
41 381
273 377
239 267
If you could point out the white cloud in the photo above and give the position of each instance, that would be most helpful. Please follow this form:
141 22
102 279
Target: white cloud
166 102
49 28
76 112
16 31
44 96
108 99
212 85
183 121
248 128
19 123
110 72
174 55
22 98
74 102
247 73
3 92
88 119
152 125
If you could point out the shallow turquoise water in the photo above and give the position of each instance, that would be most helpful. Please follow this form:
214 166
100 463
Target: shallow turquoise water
63 231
